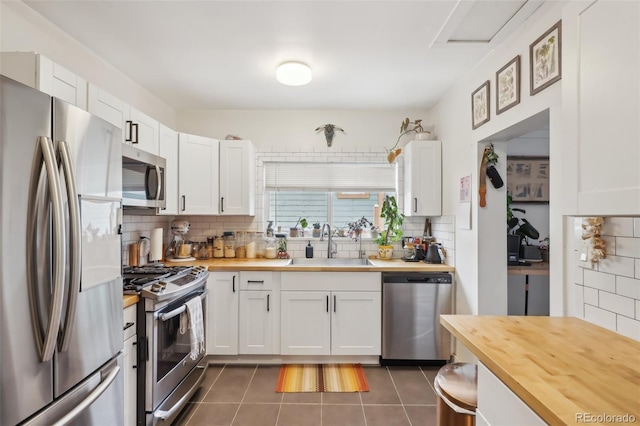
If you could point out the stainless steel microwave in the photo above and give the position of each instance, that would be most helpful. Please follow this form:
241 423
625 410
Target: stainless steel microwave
143 178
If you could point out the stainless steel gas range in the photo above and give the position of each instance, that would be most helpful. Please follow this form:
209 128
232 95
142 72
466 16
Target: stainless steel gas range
167 376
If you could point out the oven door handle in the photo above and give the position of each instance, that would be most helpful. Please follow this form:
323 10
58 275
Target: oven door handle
181 309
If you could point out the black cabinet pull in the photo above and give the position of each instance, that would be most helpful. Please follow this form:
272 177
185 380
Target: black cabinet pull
129 124
222 204
233 281
327 303
268 302
255 281
334 303
415 203
135 125
128 325
184 202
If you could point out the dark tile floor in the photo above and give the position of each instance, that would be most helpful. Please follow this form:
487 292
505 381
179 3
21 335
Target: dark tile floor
245 395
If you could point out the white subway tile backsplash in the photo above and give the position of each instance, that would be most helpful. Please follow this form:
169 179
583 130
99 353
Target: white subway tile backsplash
618 226
629 247
599 280
629 287
611 293
600 317
591 296
618 304
628 327
618 265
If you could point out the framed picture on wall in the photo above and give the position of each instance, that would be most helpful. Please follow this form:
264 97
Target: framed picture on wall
508 86
528 179
480 105
545 59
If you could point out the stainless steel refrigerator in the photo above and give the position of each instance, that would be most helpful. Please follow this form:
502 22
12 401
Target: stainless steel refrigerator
61 336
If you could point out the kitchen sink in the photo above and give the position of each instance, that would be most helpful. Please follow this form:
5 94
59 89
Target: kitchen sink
329 262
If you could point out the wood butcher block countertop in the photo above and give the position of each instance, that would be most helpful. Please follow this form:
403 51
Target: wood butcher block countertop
395 265
129 299
558 366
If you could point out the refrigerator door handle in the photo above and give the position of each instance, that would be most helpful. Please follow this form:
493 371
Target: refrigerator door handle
91 398
75 248
46 344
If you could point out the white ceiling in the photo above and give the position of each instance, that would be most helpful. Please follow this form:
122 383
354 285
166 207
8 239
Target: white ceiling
374 55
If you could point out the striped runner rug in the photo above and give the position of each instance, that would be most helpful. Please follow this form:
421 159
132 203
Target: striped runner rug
322 378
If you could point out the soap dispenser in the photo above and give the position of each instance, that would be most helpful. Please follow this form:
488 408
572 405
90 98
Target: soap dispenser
309 251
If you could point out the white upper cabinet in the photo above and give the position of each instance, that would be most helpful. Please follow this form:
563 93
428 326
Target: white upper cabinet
43 74
106 106
168 150
601 104
237 177
140 130
198 175
423 178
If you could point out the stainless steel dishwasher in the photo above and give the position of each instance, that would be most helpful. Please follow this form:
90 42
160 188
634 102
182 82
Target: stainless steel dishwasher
412 303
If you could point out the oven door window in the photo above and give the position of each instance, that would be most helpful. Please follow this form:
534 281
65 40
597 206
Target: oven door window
173 344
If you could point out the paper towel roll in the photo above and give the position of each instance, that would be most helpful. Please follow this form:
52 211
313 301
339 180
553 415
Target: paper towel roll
156 244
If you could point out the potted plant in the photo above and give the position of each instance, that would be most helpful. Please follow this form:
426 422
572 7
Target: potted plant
407 126
316 230
392 227
375 231
295 231
356 227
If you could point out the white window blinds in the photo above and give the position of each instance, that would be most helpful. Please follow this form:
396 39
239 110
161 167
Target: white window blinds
338 177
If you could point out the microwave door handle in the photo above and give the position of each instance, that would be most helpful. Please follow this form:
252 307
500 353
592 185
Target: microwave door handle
159 178
75 246
47 343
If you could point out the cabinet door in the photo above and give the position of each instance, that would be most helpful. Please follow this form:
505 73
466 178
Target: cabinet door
168 150
356 323
68 86
222 313
257 317
198 170
305 323
237 177
105 105
423 178
130 380
141 131
608 138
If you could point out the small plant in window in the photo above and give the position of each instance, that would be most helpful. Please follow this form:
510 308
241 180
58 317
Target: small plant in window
356 227
316 230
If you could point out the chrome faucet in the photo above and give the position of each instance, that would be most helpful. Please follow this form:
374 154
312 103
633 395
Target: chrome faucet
330 252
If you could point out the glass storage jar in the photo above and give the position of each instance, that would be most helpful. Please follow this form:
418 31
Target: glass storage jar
218 247
241 245
260 244
203 252
210 247
229 246
271 248
251 245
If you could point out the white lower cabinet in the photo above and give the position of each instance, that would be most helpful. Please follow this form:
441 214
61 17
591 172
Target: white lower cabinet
498 405
130 364
259 313
222 313
331 313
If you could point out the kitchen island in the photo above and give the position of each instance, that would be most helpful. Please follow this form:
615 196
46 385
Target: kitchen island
567 370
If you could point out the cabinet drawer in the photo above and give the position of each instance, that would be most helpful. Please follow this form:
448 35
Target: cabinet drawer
129 324
256 280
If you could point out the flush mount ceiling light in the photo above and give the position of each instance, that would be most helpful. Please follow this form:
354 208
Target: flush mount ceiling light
293 73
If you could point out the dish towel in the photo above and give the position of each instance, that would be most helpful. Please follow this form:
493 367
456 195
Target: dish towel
196 326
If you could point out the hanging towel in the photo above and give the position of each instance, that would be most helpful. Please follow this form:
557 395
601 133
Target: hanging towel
196 326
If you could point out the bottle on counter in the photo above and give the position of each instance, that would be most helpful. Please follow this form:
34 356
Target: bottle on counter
260 245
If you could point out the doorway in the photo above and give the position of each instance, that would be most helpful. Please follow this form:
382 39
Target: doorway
498 294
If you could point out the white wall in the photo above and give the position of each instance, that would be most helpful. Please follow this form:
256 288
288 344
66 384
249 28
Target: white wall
24 30
482 285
